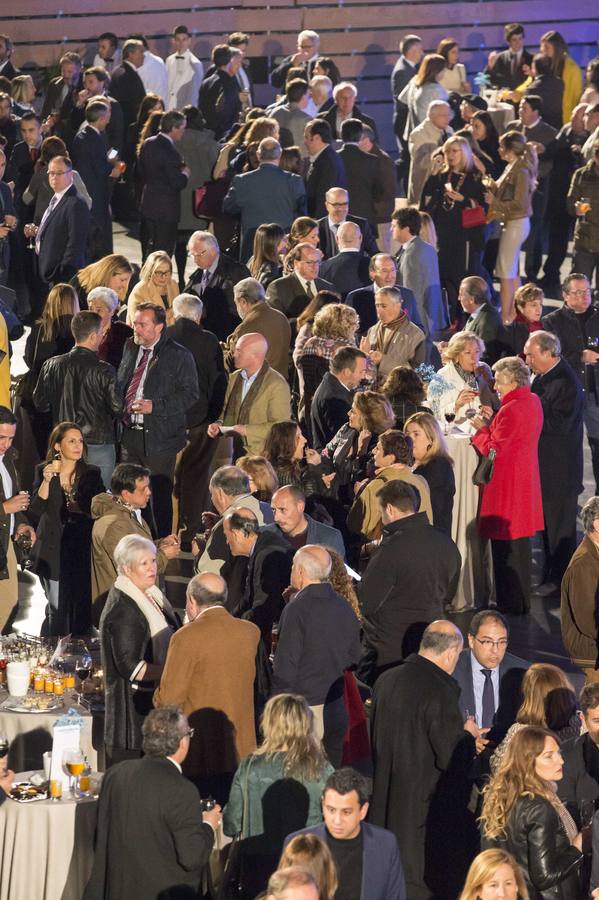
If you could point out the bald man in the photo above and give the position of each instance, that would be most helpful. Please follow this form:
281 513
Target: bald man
348 269
422 751
256 397
209 672
319 638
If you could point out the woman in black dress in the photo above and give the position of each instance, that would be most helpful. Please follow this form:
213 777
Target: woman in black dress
435 464
60 508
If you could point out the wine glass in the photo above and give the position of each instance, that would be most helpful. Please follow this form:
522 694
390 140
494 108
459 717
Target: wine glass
122 169
83 667
73 763
449 417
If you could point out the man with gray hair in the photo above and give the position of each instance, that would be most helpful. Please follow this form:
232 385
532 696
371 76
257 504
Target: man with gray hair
422 143
267 194
209 672
319 638
580 631
213 281
308 47
152 831
193 465
394 340
258 316
422 751
348 270
558 388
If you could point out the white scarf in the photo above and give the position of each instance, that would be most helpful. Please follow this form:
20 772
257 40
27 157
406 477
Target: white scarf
154 612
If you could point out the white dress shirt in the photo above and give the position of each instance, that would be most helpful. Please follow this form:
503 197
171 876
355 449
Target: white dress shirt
153 74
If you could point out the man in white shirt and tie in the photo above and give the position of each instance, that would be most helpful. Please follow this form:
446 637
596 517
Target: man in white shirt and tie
185 72
13 504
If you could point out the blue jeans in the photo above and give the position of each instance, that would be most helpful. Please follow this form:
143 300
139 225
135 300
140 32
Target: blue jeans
103 456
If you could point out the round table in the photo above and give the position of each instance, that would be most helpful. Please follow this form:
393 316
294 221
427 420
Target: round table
501 115
47 848
475 587
30 735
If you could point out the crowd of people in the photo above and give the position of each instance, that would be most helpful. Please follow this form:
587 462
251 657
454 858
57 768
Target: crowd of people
274 392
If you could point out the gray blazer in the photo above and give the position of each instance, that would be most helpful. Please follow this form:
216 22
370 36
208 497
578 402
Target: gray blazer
418 270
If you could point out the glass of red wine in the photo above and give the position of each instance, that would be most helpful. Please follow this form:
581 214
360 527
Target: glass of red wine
449 417
83 667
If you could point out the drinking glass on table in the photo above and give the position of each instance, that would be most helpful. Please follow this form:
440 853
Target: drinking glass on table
83 667
449 417
73 763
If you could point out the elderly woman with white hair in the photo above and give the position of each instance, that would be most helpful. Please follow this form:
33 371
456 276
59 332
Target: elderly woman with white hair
136 626
580 632
511 509
156 285
457 390
105 302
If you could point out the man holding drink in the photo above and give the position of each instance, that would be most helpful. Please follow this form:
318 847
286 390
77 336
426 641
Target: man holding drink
583 202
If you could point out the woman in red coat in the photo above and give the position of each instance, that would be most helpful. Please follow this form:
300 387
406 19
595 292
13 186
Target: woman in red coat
511 509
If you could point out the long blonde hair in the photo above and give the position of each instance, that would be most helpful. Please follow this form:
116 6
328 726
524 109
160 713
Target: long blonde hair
434 435
515 778
287 725
483 869
61 301
311 853
99 274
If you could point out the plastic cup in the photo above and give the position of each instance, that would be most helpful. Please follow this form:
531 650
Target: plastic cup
17 677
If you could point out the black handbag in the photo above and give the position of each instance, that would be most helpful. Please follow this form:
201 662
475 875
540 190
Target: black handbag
484 469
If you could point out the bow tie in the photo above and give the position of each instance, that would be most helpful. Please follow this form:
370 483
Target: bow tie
109 60
179 57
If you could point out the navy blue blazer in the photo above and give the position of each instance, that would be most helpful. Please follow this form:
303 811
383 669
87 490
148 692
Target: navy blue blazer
348 271
327 171
511 673
327 240
64 239
362 300
382 872
89 152
160 170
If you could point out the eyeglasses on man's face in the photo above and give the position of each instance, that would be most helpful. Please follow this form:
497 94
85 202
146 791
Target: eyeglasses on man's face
487 643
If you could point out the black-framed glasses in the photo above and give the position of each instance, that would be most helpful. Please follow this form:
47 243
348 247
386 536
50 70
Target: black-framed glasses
487 643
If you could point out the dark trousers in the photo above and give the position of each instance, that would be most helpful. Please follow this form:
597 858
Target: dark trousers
157 235
533 245
512 566
560 225
100 238
559 538
162 467
587 263
192 477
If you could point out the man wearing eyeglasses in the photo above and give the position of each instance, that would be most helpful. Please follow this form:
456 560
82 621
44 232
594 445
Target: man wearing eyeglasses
577 327
489 676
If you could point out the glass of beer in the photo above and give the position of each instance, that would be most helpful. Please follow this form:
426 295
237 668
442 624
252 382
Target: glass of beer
55 789
74 765
583 206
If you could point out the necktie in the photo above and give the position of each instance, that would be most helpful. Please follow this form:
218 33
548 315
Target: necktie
444 136
204 281
44 222
33 151
488 700
310 290
134 383
514 63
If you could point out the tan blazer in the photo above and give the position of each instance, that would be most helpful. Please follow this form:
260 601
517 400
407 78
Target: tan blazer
272 404
209 671
274 326
147 292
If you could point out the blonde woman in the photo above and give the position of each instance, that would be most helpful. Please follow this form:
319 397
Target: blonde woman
548 701
457 390
510 202
434 463
280 786
311 853
495 875
523 815
263 478
333 326
113 271
448 195
156 285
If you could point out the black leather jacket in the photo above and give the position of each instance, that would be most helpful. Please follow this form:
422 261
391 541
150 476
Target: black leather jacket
566 325
538 842
79 387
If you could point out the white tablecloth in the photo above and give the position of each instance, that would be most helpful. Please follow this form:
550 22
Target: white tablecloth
475 587
501 115
30 735
46 848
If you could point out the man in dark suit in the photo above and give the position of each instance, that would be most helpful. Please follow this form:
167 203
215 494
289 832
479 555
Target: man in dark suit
334 395
61 237
384 206
96 83
562 399
510 68
580 783
89 156
213 282
219 100
7 70
383 273
268 194
483 319
362 170
193 470
158 382
549 88
490 678
326 171
404 70
61 96
126 85
317 625
291 294
269 567
308 46
349 269
24 155
337 206
344 108
164 175
377 873
153 837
